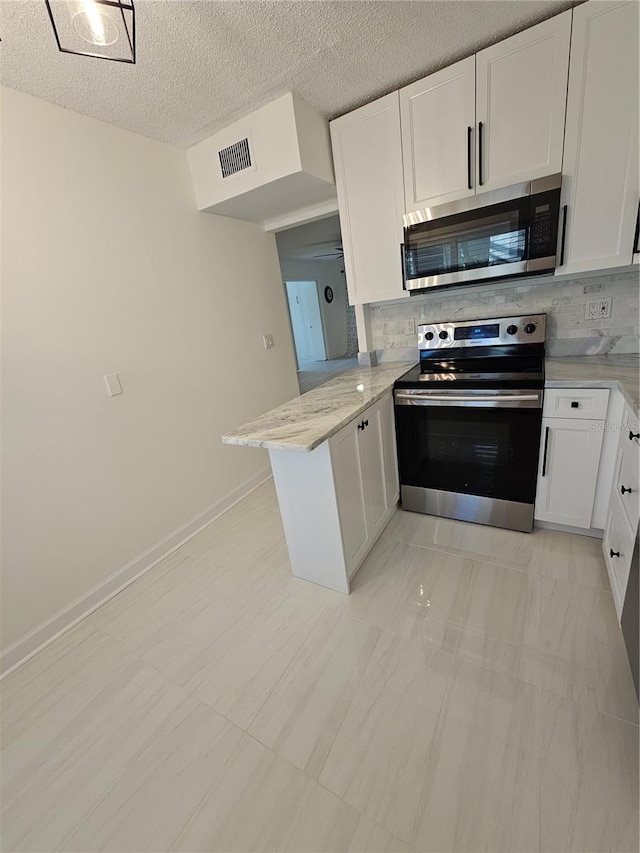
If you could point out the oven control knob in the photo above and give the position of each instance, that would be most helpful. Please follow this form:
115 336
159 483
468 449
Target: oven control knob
511 330
428 336
444 335
530 328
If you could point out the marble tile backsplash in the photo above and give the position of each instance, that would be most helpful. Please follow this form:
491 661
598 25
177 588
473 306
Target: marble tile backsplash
563 300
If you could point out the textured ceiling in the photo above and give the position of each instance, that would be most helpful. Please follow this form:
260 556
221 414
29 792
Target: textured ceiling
205 63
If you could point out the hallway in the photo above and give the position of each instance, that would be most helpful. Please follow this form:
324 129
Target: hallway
314 373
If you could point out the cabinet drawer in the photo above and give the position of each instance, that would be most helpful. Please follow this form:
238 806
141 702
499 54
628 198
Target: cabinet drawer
627 483
576 403
618 550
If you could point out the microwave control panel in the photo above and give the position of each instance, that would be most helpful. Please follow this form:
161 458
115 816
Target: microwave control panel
544 212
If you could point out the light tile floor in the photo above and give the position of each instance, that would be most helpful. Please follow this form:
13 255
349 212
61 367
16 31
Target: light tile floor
472 694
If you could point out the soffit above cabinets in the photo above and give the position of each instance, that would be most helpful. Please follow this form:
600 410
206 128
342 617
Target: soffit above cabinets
202 65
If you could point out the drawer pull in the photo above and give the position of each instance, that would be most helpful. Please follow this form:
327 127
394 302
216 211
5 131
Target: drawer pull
633 435
363 425
613 553
624 490
575 404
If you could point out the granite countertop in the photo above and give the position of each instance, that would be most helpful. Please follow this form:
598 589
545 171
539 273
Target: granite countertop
306 421
589 371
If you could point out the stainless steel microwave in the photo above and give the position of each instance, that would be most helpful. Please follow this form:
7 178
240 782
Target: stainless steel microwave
508 232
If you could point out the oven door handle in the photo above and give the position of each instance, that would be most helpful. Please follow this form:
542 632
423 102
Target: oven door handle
405 399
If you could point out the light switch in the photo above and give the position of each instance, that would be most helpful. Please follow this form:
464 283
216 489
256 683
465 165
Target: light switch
112 381
268 341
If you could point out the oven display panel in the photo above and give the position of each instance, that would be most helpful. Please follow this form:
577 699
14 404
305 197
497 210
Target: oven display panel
477 333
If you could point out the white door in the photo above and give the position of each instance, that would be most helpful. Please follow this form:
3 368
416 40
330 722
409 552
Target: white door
438 120
600 181
349 486
568 471
368 164
306 320
521 100
371 449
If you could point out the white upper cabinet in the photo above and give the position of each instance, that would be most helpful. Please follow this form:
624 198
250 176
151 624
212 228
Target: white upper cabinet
521 86
600 184
368 164
489 121
437 119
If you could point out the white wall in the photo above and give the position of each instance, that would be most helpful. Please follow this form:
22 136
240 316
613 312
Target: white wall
334 314
108 266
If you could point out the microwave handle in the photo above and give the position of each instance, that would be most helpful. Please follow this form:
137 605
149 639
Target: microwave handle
564 234
402 267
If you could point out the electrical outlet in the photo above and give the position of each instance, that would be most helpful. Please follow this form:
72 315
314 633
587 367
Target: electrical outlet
410 327
268 341
598 309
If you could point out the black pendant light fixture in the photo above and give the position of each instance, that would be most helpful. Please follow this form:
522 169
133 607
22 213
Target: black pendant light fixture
101 28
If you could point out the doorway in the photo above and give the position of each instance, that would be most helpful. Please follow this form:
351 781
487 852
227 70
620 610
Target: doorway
306 321
312 267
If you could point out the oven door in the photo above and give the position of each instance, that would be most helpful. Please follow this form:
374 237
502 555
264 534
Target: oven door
457 445
502 238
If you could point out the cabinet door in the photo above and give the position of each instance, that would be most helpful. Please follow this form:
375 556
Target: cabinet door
600 184
568 472
617 547
627 481
349 486
521 101
437 119
371 449
368 163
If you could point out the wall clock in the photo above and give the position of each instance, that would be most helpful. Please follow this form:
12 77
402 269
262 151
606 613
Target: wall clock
328 294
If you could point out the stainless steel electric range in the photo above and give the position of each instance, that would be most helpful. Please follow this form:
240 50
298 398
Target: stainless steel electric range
468 421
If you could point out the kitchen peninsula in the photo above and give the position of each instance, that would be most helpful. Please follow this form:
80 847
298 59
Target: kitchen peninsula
339 490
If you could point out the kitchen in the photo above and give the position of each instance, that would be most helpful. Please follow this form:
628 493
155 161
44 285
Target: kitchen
415 628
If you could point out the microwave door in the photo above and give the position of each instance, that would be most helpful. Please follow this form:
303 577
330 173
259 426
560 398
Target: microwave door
484 243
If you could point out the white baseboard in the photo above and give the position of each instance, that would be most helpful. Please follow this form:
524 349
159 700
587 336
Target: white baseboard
36 640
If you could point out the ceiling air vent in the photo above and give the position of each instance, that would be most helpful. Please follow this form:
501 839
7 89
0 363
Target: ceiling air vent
235 158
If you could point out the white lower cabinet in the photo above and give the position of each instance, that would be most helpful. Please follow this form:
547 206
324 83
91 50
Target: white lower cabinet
568 471
589 473
624 511
617 547
366 488
573 427
346 458
336 501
